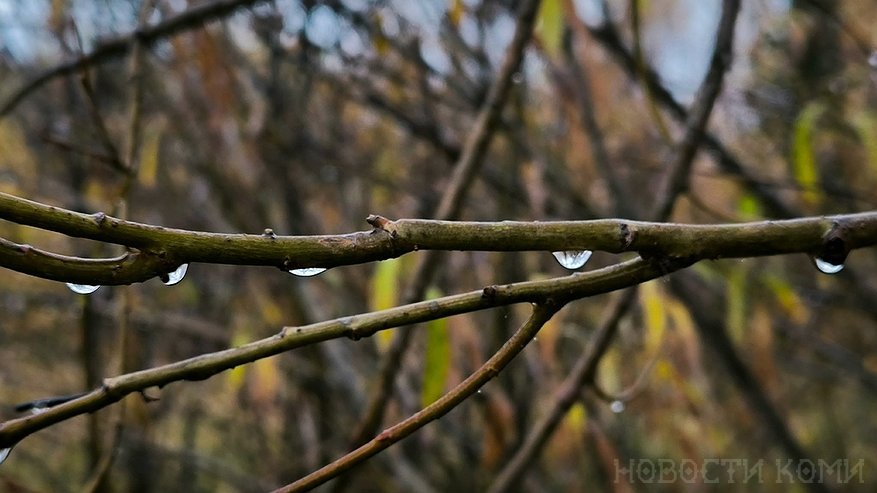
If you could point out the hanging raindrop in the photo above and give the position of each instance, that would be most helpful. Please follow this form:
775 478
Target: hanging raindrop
176 276
307 271
827 267
4 454
617 407
82 288
572 259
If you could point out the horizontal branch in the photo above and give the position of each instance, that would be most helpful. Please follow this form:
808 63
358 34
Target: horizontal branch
650 238
161 249
561 290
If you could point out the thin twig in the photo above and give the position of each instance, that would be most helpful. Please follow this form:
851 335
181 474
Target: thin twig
562 289
116 47
698 116
566 395
611 41
586 366
489 370
470 161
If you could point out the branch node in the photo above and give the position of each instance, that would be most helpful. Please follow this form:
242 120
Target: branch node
99 218
834 248
628 235
489 292
382 223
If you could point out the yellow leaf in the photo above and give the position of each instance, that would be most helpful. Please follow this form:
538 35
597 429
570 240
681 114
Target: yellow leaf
737 301
455 12
655 316
803 162
438 356
149 152
236 376
550 26
576 418
385 294
790 302
264 381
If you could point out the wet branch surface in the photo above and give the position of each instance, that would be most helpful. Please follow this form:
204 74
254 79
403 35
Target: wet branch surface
160 250
356 327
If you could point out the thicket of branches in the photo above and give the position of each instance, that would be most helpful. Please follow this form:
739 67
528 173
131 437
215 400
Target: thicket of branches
405 174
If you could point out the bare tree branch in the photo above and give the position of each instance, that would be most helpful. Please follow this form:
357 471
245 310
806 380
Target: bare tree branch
356 327
490 369
116 47
469 162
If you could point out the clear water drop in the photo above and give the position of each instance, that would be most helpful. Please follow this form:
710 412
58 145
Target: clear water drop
38 410
308 271
176 276
4 454
480 391
872 60
82 288
617 407
827 267
572 259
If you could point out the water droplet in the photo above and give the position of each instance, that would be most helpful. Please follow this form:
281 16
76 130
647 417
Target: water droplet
872 60
572 259
617 407
4 454
517 78
39 409
480 391
176 276
308 271
827 267
82 288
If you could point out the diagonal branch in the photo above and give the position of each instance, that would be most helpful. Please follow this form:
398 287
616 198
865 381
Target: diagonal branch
120 46
470 161
611 41
489 370
698 116
566 395
356 327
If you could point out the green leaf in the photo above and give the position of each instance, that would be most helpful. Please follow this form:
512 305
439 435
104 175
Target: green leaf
550 26
438 356
748 207
803 162
385 294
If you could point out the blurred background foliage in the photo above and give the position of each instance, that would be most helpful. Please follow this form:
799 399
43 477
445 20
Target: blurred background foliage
306 116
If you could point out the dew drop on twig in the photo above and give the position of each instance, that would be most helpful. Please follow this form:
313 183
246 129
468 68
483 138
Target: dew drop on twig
307 271
572 259
827 267
82 288
4 453
617 407
176 276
